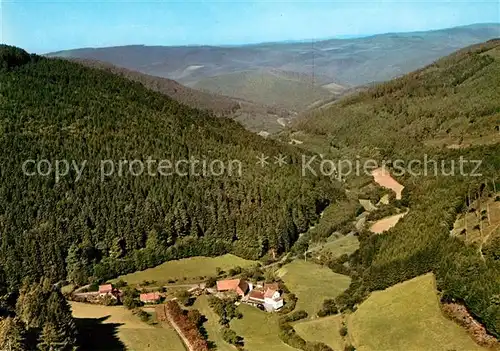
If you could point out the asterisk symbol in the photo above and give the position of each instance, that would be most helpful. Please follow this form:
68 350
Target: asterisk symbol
262 160
280 160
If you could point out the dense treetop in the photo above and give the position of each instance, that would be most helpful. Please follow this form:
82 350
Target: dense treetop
55 109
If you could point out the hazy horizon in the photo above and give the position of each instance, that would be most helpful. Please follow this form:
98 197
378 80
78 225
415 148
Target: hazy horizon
42 27
343 37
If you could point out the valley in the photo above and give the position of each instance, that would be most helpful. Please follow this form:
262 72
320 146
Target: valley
388 257
257 84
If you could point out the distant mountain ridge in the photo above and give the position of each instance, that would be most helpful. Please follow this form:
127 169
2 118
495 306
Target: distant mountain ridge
348 62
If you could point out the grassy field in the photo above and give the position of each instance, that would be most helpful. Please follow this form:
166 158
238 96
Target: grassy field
68 288
116 328
325 330
212 325
185 270
266 87
259 329
343 245
312 284
406 317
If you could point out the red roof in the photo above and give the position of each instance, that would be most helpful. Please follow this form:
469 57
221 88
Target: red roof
105 289
238 285
269 293
152 296
256 295
272 286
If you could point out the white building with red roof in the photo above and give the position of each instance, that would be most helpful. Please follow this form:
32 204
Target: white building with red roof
270 298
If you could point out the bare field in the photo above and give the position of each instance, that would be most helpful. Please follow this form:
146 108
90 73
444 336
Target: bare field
387 223
384 178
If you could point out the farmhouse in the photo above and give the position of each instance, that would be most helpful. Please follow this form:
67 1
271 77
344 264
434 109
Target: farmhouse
105 289
239 286
152 297
256 297
108 290
270 297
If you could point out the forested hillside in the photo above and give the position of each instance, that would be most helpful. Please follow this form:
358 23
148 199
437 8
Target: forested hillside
220 105
90 227
253 116
453 101
448 110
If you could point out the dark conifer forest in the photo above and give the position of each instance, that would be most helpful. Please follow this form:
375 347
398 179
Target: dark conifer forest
81 228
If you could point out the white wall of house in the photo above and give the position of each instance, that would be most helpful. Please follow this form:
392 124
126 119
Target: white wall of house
276 304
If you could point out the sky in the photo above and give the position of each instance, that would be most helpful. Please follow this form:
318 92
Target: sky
46 26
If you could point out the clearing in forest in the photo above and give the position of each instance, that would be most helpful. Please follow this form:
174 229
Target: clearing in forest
312 284
338 246
387 223
193 269
383 178
481 224
406 316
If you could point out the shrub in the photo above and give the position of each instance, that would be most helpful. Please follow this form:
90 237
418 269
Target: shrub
120 284
211 282
231 337
144 316
329 308
195 317
290 302
225 309
93 287
130 298
184 297
109 301
234 271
